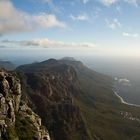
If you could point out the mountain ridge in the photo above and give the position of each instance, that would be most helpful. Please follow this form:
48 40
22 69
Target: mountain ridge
64 83
7 65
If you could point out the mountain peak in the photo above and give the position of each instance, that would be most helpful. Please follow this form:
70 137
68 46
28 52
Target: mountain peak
68 58
50 61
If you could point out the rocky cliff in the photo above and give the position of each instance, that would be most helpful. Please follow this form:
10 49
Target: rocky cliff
17 120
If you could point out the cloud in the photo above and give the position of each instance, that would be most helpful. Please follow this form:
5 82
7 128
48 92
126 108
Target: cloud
112 2
133 2
108 2
82 17
47 21
11 19
85 1
113 24
124 81
14 20
133 35
46 43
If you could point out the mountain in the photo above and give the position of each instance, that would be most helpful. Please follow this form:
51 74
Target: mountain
17 120
7 65
68 58
77 103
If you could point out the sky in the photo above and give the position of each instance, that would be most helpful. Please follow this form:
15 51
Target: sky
91 27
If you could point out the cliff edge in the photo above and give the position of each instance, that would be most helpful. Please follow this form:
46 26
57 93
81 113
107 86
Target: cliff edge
17 120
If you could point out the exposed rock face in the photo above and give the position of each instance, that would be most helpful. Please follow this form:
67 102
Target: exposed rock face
26 113
13 111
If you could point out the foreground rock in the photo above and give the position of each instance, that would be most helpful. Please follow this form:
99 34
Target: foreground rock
17 120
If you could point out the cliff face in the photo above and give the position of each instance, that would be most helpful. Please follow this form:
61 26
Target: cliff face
17 120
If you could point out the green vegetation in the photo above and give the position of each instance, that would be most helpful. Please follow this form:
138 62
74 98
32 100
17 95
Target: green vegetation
101 108
24 128
11 133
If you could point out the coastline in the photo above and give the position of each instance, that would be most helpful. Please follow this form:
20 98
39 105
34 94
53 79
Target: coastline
124 102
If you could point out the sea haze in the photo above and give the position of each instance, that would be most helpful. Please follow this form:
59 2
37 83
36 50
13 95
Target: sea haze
123 69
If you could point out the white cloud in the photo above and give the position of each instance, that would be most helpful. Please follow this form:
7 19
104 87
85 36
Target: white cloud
111 2
113 24
82 17
85 1
133 2
133 35
108 2
46 43
47 21
124 81
14 20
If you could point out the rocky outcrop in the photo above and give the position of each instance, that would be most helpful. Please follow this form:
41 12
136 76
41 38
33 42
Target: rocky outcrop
15 115
40 132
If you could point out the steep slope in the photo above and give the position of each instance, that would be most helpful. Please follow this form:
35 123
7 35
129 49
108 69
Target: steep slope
108 118
7 65
17 120
77 103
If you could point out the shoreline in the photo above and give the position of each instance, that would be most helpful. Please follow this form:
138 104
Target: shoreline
124 102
